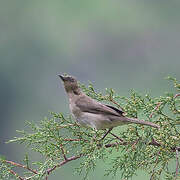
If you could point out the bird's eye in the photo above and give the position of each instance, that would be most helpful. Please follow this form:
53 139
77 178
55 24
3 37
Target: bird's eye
70 79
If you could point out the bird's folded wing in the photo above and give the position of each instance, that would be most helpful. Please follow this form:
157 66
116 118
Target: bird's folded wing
120 111
86 104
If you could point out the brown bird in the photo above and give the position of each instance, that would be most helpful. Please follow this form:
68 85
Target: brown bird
89 112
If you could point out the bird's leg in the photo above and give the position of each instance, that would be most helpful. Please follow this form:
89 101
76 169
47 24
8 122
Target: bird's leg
110 129
116 137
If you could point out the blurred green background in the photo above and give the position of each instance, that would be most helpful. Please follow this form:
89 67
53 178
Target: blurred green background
121 44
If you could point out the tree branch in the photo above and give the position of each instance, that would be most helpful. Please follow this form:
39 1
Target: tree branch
156 163
155 109
153 143
61 146
15 174
63 162
176 95
117 104
20 165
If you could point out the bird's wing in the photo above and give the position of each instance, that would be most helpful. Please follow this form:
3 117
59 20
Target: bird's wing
120 111
86 104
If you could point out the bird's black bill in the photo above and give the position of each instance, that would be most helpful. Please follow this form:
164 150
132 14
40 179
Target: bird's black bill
62 77
67 78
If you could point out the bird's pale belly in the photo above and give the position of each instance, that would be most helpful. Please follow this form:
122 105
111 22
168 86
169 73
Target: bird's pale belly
95 121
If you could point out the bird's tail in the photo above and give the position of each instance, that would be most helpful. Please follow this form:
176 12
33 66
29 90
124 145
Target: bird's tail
137 121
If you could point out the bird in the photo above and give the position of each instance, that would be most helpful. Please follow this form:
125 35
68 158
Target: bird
91 113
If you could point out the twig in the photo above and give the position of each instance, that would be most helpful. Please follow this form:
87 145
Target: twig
155 109
114 102
30 177
133 145
177 148
115 144
177 162
63 162
176 95
62 149
154 143
156 163
20 165
15 174
67 125
75 140
71 139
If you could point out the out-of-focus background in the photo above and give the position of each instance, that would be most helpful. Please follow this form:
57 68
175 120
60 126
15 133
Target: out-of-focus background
121 44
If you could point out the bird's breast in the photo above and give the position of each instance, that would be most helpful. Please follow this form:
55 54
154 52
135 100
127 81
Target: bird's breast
77 114
74 110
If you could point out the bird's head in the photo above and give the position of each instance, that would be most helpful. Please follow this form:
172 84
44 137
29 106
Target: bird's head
70 84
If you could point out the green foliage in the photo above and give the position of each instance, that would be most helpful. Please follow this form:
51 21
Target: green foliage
59 140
